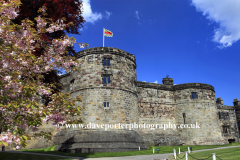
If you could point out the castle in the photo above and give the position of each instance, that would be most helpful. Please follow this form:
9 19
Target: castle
111 94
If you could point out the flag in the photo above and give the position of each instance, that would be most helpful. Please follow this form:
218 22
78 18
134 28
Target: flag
108 33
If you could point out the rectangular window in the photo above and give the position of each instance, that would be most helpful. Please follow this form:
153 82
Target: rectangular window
220 115
223 115
226 116
226 130
184 116
106 80
194 95
71 84
106 104
106 62
90 59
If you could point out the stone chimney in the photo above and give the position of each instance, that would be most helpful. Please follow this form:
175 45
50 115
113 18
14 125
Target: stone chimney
219 101
236 102
167 81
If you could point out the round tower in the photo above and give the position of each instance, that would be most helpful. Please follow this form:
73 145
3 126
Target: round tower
107 84
195 104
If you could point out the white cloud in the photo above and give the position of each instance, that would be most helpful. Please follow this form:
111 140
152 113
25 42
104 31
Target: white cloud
88 14
155 82
227 14
137 16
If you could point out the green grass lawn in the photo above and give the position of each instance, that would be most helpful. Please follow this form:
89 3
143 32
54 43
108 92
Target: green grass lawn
224 154
163 149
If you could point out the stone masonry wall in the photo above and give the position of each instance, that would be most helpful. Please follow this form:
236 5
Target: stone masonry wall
157 107
161 104
202 111
230 122
122 106
120 93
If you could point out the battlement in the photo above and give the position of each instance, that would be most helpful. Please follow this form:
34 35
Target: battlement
225 107
102 50
175 87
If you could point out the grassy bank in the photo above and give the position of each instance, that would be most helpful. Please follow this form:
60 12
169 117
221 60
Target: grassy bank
162 149
224 154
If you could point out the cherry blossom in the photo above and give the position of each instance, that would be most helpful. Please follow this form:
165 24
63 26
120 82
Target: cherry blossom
18 62
7 78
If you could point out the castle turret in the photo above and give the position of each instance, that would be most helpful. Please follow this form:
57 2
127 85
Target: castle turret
107 84
219 101
167 81
196 105
236 102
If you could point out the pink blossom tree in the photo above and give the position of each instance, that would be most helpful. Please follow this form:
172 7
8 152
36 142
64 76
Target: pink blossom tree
21 79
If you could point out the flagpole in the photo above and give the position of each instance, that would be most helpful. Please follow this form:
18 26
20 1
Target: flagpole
103 37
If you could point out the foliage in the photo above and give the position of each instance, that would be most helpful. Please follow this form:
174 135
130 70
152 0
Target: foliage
22 83
68 10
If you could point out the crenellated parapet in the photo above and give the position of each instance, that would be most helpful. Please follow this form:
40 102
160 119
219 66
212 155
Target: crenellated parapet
110 50
175 87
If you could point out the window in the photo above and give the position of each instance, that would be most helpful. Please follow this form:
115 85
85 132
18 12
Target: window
106 62
152 112
106 105
226 130
223 115
71 84
72 81
106 80
226 116
194 95
90 59
184 116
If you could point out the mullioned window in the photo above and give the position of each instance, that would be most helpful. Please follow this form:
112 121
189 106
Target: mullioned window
223 115
106 62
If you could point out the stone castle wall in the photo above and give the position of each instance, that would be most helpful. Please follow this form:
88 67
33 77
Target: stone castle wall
144 103
202 111
141 102
230 122
120 93
157 107
161 104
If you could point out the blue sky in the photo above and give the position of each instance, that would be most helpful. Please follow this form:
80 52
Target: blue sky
189 40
